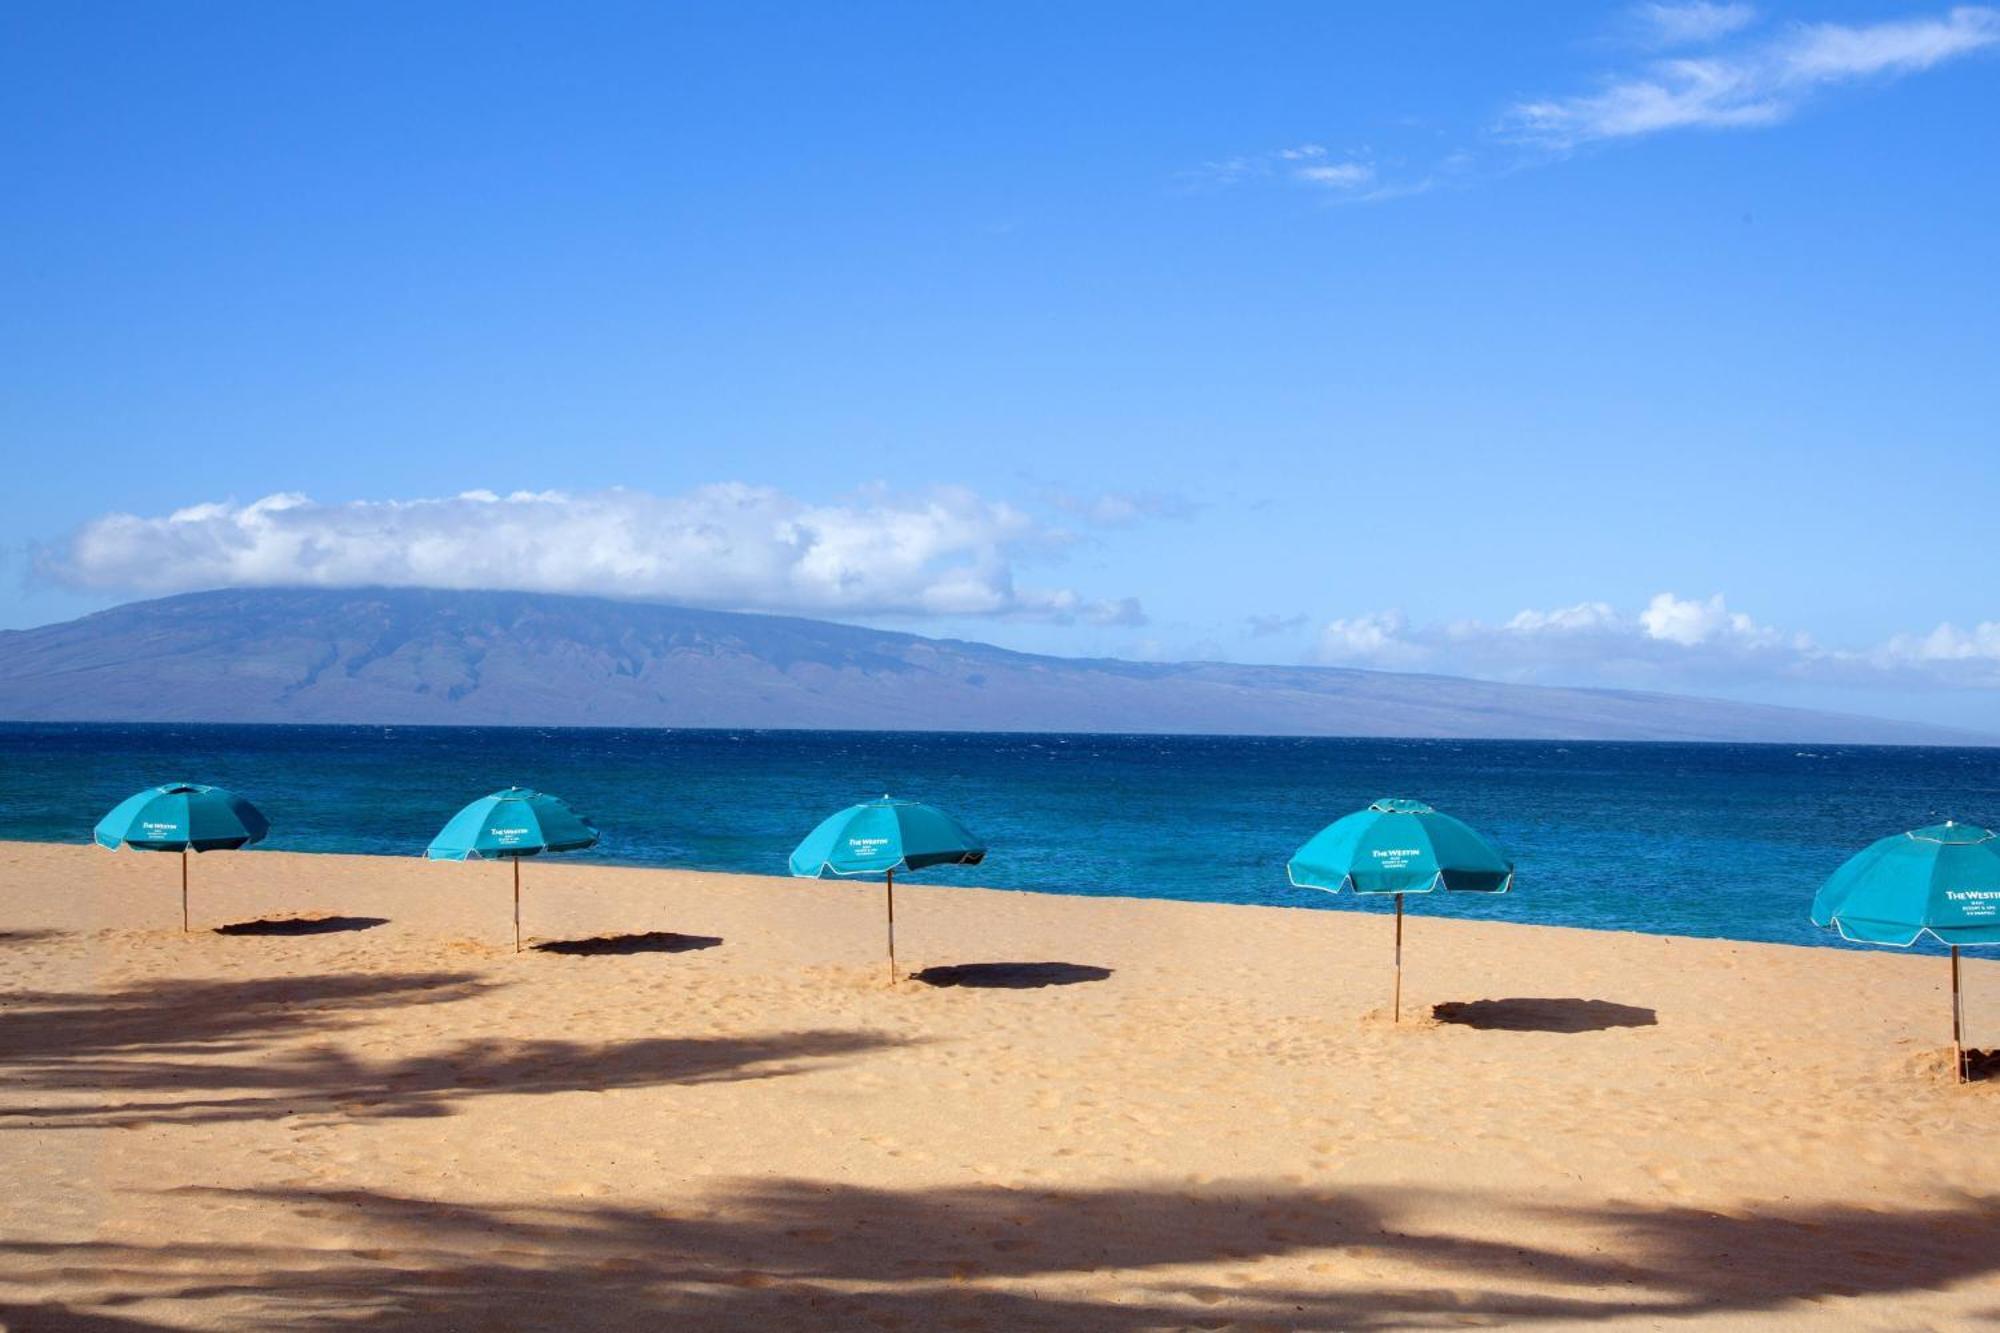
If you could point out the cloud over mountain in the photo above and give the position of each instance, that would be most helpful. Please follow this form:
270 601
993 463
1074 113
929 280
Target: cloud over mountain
1672 642
944 552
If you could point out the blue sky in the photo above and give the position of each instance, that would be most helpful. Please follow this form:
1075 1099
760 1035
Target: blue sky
1645 345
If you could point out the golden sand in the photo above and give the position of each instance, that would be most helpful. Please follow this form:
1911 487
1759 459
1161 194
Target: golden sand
1126 1115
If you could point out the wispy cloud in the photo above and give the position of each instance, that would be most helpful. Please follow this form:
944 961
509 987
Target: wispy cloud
1308 164
1337 175
1727 70
1753 84
1693 24
1672 642
945 552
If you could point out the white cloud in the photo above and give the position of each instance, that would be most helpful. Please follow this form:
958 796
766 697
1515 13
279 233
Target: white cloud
1761 83
1672 642
1692 24
1582 617
1689 623
947 552
1380 639
1963 656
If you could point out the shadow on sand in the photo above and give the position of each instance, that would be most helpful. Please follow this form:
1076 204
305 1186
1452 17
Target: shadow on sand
57 1317
43 1029
205 1052
302 925
823 1254
1010 976
655 941
1550 1015
327 1080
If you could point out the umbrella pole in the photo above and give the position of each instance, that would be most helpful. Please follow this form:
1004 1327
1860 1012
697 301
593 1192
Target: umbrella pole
184 895
1397 1006
517 903
889 896
1957 1022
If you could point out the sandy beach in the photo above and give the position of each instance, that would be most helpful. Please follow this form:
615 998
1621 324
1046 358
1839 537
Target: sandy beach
1112 1115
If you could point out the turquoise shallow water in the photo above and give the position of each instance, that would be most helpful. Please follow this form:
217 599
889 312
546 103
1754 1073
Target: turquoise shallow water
1720 840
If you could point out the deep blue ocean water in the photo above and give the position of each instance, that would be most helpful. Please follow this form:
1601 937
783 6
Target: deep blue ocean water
1718 840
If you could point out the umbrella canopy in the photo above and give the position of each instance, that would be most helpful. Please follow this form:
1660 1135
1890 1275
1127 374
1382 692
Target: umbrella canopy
1399 847
515 822
881 837
182 817
1942 881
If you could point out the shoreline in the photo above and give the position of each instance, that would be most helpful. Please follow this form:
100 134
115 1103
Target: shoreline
1345 904
225 885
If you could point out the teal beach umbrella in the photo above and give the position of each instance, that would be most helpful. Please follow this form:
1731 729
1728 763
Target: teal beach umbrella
182 817
880 838
513 823
1942 881
1399 847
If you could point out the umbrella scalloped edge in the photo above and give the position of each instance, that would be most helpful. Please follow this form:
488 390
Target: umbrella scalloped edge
1839 924
1347 884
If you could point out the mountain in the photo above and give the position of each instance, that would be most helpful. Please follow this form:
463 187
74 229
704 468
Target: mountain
415 656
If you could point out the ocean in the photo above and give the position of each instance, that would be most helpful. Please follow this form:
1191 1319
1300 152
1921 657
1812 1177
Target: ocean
1679 839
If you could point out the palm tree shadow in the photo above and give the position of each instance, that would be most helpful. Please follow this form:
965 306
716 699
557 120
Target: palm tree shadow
1010 976
328 1080
176 1017
302 925
180 1052
826 1254
1544 1015
61 1318
655 941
